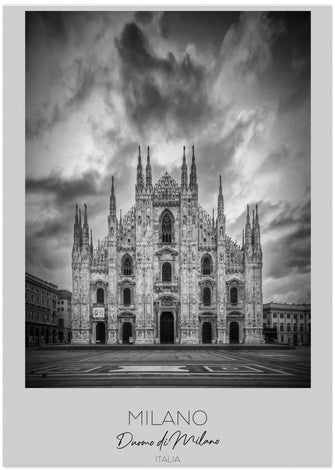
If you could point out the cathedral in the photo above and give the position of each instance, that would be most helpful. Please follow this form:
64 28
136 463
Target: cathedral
167 272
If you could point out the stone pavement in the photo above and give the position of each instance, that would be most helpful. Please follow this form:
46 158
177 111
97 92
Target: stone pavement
168 367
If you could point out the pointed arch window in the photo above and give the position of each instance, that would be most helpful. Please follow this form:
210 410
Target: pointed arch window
166 272
233 295
100 296
206 265
127 266
207 296
126 296
167 228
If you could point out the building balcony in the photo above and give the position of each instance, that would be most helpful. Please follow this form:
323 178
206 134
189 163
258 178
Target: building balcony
203 306
164 286
237 306
123 307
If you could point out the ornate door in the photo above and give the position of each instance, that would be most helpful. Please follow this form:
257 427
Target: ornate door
167 328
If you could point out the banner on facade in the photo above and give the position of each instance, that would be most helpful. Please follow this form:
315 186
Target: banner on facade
98 312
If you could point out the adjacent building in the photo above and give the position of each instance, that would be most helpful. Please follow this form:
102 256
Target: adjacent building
64 316
48 312
41 311
167 271
289 323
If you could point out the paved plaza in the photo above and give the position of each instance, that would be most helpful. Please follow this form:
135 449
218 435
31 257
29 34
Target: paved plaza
170 367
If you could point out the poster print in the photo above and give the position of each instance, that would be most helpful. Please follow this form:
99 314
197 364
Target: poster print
168 208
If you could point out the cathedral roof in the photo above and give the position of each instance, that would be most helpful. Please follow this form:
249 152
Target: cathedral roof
166 191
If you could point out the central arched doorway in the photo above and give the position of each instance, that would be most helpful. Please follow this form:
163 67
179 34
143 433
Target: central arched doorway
167 328
100 333
234 332
207 333
126 332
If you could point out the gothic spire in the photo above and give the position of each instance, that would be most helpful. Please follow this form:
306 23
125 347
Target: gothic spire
79 229
184 172
248 216
112 203
193 174
85 216
76 217
139 179
257 231
220 200
76 231
148 172
248 230
85 232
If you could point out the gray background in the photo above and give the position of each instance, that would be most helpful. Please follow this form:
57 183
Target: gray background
78 426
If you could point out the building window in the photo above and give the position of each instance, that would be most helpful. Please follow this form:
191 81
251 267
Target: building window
295 327
127 267
166 228
288 327
281 315
282 327
100 296
282 339
301 316
126 296
206 265
301 328
233 295
166 272
275 325
207 296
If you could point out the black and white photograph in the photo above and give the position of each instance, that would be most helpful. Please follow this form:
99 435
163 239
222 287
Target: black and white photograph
167 235
168 201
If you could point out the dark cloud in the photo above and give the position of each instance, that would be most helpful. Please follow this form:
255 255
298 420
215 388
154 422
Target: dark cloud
205 29
291 215
65 190
50 23
84 83
288 255
40 124
161 92
290 252
144 17
276 159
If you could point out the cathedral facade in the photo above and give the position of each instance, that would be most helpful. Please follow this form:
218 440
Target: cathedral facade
167 272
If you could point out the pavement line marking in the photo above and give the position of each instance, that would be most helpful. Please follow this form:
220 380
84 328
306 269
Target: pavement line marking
149 369
94 368
275 370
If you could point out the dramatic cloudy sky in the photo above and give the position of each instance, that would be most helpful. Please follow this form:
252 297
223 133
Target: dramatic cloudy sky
234 84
